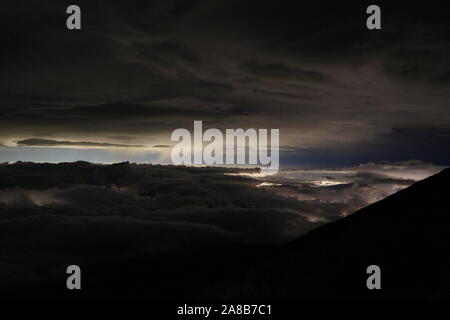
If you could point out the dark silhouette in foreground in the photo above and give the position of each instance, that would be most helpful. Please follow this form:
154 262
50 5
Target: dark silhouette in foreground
407 235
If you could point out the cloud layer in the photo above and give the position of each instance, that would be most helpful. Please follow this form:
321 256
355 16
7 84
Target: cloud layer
54 214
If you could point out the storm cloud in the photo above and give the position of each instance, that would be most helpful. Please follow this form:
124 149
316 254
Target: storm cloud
136 72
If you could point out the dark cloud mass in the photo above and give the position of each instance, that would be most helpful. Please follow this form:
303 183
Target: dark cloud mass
280 71
138 70
55 213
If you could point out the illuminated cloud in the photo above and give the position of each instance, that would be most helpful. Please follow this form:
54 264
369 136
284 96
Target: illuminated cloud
50 143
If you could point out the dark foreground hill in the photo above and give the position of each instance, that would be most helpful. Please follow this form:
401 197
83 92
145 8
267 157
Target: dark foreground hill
407 235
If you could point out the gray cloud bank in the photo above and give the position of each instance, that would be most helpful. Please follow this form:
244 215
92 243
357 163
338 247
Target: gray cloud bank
54 214
330 194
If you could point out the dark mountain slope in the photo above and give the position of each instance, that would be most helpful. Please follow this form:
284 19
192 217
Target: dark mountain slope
406 234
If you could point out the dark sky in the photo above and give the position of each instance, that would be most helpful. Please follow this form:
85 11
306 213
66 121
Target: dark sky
340 93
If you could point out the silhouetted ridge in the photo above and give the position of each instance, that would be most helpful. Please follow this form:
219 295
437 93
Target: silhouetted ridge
407 235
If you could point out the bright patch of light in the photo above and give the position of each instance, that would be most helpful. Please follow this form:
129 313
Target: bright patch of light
254 175
268 184
327 183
